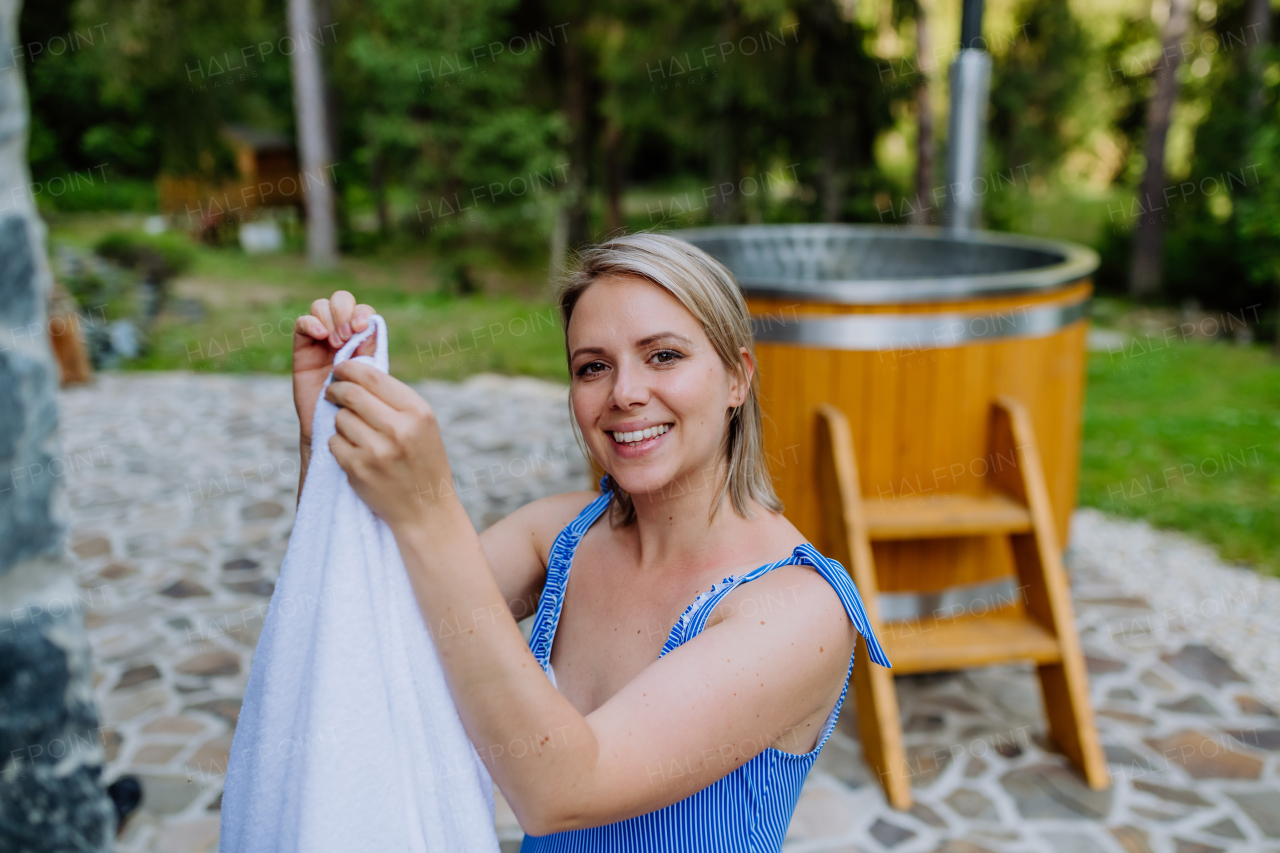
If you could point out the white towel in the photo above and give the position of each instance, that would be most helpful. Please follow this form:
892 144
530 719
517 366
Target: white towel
348 738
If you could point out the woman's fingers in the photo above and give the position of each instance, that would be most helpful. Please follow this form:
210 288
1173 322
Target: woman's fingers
343 306
312 327
353 428
342 450
360 322
386 438
362 402
322 310
384 387
342 318
320 323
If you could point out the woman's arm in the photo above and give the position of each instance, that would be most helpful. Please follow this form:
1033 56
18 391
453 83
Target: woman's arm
304 460
690 718
516 547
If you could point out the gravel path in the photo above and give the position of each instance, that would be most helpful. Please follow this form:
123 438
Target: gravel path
180 493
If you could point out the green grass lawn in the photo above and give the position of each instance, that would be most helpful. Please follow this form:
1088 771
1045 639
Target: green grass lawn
1188 436
429 337
234 313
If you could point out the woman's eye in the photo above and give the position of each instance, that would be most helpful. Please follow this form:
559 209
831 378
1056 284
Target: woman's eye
591 368
667 356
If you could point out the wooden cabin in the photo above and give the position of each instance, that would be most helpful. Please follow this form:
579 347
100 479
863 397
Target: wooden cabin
267 176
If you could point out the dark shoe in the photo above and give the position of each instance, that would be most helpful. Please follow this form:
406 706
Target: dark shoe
126 793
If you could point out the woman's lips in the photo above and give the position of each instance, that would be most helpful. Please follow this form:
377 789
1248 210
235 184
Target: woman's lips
640 440
635 436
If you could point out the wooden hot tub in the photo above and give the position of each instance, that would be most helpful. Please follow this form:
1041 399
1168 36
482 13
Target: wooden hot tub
912 333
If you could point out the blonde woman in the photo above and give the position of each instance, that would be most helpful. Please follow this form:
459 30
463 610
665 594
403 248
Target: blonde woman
675 693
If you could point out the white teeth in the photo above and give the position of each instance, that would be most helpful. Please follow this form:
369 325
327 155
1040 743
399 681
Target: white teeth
640 434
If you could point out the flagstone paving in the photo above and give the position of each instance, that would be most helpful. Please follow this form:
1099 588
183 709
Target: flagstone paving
180 494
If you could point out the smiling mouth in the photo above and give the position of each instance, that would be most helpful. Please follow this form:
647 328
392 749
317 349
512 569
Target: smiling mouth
640 436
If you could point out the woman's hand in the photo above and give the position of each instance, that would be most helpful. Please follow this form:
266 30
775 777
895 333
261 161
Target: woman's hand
388 442
317 337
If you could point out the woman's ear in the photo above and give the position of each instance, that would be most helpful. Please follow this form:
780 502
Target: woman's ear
741 383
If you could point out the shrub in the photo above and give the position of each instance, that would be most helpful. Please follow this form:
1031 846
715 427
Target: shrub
156 258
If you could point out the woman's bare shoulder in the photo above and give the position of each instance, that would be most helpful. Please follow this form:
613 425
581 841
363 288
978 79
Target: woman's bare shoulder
558 510
541 521
519 545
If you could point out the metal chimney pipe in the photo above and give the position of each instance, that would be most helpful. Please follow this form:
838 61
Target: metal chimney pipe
971 26
967 125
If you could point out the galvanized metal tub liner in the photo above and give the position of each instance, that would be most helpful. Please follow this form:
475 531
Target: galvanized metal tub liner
875 265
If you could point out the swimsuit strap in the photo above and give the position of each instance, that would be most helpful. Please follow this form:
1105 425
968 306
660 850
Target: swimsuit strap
558 563
838 577
695 616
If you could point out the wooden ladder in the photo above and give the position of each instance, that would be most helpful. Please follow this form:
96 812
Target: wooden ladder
1040 627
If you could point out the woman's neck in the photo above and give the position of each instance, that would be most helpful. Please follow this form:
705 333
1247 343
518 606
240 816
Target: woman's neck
674 527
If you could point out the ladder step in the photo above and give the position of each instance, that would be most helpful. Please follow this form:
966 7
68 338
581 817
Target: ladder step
935 645
941 515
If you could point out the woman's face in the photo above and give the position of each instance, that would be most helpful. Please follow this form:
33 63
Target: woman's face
649 392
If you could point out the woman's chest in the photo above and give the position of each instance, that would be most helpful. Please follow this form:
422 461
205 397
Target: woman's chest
611 628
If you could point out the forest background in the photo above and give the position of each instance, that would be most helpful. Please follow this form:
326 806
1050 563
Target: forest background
499 127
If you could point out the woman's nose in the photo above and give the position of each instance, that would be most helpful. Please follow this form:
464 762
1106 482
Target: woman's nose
629 387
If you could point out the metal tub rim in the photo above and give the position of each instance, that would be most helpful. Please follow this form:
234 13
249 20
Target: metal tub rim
907 333
1075 263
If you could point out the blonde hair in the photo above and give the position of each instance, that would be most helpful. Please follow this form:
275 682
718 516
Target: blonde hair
708 291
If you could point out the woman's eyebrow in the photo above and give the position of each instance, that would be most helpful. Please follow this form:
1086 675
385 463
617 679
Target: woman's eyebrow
643 342
587 351
660 336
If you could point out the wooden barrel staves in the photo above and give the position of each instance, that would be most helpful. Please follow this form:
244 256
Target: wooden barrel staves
913 333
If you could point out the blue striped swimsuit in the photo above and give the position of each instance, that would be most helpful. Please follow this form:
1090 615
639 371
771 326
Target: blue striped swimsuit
749 809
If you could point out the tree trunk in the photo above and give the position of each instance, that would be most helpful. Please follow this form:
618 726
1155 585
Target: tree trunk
560 244
52 793
578 115
311 113
829 178
333 106
924 120
613 176
378 187
726 168
725 209
1147 270
1259 28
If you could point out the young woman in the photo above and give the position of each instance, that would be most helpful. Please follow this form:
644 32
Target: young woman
676 691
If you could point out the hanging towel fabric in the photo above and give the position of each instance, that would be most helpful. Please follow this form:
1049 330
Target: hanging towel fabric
348 737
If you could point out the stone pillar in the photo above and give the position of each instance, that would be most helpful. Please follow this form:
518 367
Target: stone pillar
51 796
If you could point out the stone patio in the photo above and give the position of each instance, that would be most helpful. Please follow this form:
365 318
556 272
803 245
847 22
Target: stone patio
181 489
